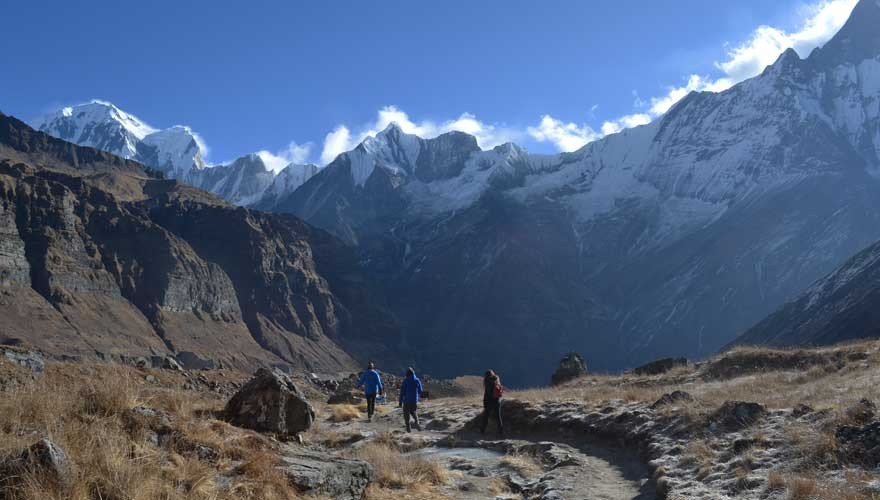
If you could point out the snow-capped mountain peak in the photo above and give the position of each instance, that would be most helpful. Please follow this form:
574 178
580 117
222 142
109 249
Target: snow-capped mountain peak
98 124
102 125
177 150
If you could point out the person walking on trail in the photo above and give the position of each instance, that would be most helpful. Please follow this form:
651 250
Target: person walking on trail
410 391
492 392
371 381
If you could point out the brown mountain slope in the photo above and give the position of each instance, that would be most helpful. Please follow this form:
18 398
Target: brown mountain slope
101 257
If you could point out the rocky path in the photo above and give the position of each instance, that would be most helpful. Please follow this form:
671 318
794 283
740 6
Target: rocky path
524 464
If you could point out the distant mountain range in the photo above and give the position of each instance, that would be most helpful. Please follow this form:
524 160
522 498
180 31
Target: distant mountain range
175 151
667 239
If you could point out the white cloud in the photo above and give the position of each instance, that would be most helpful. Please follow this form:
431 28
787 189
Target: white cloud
335 143
627 121
295 153
566 136
745 60
821 22
341 139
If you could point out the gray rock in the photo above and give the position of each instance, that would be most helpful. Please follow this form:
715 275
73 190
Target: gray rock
672 397
191 361
320 473
43 460
571 366
270 402
30 360
735 415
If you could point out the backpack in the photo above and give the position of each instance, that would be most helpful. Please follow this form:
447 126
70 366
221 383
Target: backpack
497 390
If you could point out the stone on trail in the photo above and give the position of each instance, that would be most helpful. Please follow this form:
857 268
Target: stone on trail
319 473
571 366
270 402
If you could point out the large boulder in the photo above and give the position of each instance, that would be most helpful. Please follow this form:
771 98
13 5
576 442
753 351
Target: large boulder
571 366
319 473
270 402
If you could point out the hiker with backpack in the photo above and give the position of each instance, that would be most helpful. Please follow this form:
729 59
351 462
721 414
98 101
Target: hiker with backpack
410 391
371 381
492 393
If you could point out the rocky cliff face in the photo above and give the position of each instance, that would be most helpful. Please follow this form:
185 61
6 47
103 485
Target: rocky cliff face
115 262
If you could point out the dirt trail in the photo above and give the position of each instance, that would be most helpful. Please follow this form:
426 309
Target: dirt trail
561 468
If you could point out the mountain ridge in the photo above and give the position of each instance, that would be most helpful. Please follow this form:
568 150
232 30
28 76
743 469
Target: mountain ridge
100 259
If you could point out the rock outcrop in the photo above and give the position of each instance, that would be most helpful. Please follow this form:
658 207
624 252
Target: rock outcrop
326 475
270 402
571 366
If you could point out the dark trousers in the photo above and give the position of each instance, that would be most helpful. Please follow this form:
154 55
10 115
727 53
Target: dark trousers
371 404
409 410
491 408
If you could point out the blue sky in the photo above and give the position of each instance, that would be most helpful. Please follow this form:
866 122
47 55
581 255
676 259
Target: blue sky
306 80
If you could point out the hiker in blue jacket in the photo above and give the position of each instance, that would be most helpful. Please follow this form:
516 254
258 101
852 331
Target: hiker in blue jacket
372 384
410 390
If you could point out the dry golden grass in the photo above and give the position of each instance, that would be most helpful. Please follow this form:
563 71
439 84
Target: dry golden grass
343 413
499 486
329 437
697 454
376 492
82 408
776 482
824 378
800 488
380 409
395 471
524 464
